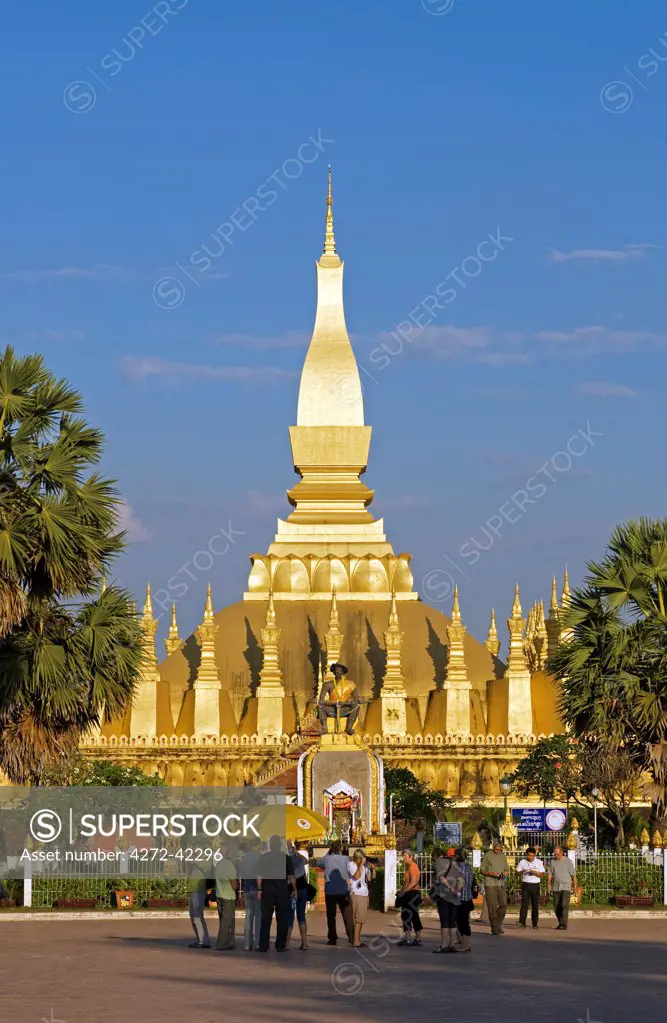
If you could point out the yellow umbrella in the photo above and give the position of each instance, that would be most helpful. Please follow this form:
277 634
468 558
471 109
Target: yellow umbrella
293 822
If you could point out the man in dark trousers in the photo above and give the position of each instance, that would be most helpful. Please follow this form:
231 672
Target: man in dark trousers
275 886
337 891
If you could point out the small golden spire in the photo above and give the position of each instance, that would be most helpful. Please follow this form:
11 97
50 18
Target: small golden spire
566 595
333 638
644 838
553 606
103 584
133 607
208 607
270 610
173 641
657 839
456 608
148 605
492 643
516 606
393 612
329 239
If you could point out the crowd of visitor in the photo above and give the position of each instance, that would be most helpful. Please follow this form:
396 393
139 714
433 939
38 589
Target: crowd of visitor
276 883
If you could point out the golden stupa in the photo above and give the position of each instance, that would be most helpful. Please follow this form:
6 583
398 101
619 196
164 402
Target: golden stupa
235 702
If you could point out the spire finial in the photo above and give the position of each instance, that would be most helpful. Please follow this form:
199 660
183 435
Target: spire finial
270 610
492 642
456 609
329 239
208 606
148 605
566 595
173 640
516 606
553 606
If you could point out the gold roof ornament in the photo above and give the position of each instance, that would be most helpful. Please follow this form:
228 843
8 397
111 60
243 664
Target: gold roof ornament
173 641
457 672
270 677
393 681
516 624
333 640
329 255
149 671
553 606
565 601
492 643
207 673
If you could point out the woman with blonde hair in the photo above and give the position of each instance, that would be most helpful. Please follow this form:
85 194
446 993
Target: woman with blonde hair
361 873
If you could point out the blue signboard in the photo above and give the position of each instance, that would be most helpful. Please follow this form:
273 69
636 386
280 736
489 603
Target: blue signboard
537 818
450 833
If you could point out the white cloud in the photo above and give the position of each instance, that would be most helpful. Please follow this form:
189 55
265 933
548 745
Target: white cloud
99 272
128 521
138 368
603 389
41 336
626 254
601 339
291 339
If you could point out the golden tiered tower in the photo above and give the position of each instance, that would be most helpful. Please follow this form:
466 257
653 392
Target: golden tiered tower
330 539
234 702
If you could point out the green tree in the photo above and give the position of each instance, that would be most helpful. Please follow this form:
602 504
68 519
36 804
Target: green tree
67 652
613 671
413 799
564 768
76 770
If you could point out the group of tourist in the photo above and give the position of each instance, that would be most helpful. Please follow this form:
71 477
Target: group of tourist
454 890
277 883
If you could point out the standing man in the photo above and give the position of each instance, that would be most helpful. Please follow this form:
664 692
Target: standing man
561 877
253 906
226 886
197 889
531 872
276 885
337 892
495 869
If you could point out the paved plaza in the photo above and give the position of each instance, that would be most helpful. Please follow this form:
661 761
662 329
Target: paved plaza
132 970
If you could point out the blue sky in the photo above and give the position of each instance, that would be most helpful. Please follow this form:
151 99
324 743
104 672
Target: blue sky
132 133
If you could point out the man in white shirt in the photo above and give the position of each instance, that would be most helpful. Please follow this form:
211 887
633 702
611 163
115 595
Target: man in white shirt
531 871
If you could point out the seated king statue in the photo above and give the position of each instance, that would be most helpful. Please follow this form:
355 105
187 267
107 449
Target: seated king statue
339 699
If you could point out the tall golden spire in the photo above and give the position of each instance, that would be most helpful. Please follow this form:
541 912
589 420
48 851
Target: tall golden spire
540 637
565 601
492 642
143 720
457 684
333 640
270 677
103 584
516 624
552 622
329 239
148 630
393 682
173 641
207 674
456 665
519 697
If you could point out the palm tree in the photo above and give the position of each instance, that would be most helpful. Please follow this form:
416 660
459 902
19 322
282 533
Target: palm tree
66 651
613 671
